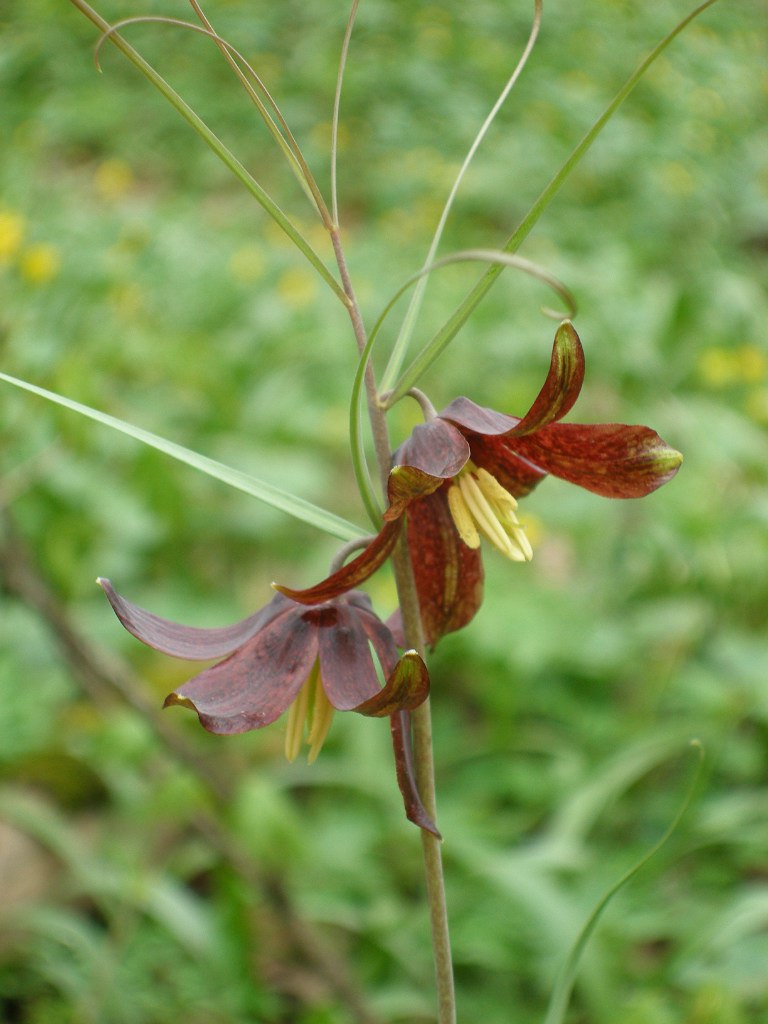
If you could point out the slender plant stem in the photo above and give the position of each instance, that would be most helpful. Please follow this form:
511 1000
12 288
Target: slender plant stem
218 147
409 322
421 717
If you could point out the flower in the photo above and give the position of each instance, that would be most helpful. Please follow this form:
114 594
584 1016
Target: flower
310 661
39 264
460 474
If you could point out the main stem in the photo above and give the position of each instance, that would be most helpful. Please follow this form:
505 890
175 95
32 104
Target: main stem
421 719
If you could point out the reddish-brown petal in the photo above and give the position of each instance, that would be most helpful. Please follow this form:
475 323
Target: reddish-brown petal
383 642
406 688
556 398
415 810
448 574
498 455
611 459
346 663
435 451
256 684
188 642
563 383
351 574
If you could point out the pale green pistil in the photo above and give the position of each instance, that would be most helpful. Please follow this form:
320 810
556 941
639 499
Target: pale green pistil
311 710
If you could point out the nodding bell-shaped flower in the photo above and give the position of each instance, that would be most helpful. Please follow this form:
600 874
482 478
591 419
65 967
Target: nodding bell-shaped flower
460 474
308 661
287 656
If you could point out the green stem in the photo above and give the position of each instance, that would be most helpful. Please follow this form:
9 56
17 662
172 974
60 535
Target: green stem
215 143
451 327
421 718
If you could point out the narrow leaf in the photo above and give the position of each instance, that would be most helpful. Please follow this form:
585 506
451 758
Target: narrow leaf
215 143
268 493
461 314
561 993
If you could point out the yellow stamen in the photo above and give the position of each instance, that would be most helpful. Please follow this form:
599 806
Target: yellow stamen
478 502
462 517
491 487
322 716
297 715
483 514
311 710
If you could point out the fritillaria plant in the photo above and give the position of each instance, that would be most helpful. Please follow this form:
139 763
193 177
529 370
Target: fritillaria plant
456 480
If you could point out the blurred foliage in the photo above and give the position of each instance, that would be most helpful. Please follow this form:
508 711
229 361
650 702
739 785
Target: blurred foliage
136 277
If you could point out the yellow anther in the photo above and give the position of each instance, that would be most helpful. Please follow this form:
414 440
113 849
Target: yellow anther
483 514
478 502
462 517
311 710
322 716
491 487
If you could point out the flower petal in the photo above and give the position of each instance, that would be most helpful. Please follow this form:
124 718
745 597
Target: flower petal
188 642
448 574
256 684
406 688
415 810
435 451
351 574
346 663
499 456
563 383
556 398
611 459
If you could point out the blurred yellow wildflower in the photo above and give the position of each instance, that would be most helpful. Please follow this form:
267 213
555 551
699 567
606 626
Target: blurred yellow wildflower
297 288
39 264
247 264
721 367
12 228
113 178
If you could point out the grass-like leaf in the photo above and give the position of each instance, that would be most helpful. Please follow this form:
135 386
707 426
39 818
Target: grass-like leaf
561 993
268 493
214 142
409 322
461 314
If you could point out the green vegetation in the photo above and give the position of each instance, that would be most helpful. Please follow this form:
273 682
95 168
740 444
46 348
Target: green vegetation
151 877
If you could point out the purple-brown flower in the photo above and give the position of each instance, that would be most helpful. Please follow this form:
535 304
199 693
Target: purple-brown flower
310 661
459 475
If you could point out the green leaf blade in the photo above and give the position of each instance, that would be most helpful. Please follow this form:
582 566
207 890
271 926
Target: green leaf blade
294 506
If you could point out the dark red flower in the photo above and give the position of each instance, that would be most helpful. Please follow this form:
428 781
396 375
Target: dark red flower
310 661
285 655
459 475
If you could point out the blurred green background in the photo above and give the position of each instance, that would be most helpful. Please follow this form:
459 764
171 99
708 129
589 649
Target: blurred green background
150 876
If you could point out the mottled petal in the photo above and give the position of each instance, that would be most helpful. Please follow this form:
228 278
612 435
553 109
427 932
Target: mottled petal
380 636
351 574
499 456
448 574
188 642
435 451
611 459
406 688
415 810
346 663
563 383
254 686
556 398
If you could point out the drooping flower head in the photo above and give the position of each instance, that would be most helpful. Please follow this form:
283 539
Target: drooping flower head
310 661
459 475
